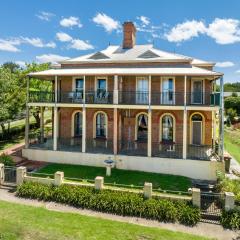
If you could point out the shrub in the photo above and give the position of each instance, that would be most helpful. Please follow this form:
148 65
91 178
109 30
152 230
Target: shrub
231 219
6 160
112 201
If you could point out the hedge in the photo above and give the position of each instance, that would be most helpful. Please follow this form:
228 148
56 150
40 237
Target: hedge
231 219
115 202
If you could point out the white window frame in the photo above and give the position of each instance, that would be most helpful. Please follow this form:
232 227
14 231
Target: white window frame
203 90
161 88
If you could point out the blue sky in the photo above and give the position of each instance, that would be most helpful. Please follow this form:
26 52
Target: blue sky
44 30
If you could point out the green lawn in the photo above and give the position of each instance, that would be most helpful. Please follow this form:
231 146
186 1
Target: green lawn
163 181
23 222
232 142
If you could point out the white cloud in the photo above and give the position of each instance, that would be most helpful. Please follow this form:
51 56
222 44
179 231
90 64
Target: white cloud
145 20
45 16
225 64
9 45
185 31
79 44
37 42
71 22
53 58
63 37
108 23
224 31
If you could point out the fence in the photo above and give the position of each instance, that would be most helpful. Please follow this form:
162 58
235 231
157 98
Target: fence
211 204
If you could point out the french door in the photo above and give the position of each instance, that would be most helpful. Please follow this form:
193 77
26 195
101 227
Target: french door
142 91
197 132
197 92
168 91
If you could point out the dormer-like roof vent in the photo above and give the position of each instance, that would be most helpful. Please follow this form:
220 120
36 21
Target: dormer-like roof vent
148 54
98 55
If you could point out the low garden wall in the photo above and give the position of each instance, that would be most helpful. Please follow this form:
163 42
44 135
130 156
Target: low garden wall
196 169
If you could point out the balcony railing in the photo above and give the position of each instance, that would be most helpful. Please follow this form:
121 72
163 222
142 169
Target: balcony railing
99 145
133 97
41 96
70 97
70 144
167 150
201 152
99 97
37 141
203 98
132 148
168 98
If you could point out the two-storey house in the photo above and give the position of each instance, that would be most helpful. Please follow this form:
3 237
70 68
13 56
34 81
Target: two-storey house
144 108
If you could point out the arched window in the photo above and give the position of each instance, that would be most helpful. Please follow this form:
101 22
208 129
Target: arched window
142 127
197 129
101 123
78 124
167 129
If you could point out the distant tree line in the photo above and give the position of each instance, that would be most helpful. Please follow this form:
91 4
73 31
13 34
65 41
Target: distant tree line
230 87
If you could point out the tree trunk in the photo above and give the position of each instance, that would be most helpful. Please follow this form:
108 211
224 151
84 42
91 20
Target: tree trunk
3 130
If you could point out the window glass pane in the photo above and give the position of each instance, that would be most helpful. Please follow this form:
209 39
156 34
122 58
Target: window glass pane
79 84
78 124
196 117
167 128
101 125
102 84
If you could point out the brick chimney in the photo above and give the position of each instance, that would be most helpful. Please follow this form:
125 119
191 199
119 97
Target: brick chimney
129 35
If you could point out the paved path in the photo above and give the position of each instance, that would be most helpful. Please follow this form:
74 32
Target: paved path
202 229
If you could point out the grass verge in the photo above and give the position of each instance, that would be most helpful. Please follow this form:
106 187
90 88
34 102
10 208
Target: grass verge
25 222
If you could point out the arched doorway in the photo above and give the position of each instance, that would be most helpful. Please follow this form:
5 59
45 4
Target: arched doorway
101 125
197 129
142 127
78 124
167 129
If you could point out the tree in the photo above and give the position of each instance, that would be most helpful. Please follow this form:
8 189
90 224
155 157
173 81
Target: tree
13 67
231 113
11 99
232 102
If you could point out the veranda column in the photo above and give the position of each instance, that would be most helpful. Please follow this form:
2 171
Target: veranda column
221 121
55 123
115 91
185 120
42 124
84 129
55 129
115 117
149 152
115 131
27 117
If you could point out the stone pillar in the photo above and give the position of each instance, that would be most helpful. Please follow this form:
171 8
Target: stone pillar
55 129
27 127
149 142
99 183
42 124
58 178
115 91
147 190
115 131
84 130
1 173
108 170
196 197
21 173
229 201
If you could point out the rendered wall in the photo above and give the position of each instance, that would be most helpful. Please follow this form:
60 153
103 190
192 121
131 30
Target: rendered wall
205 170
